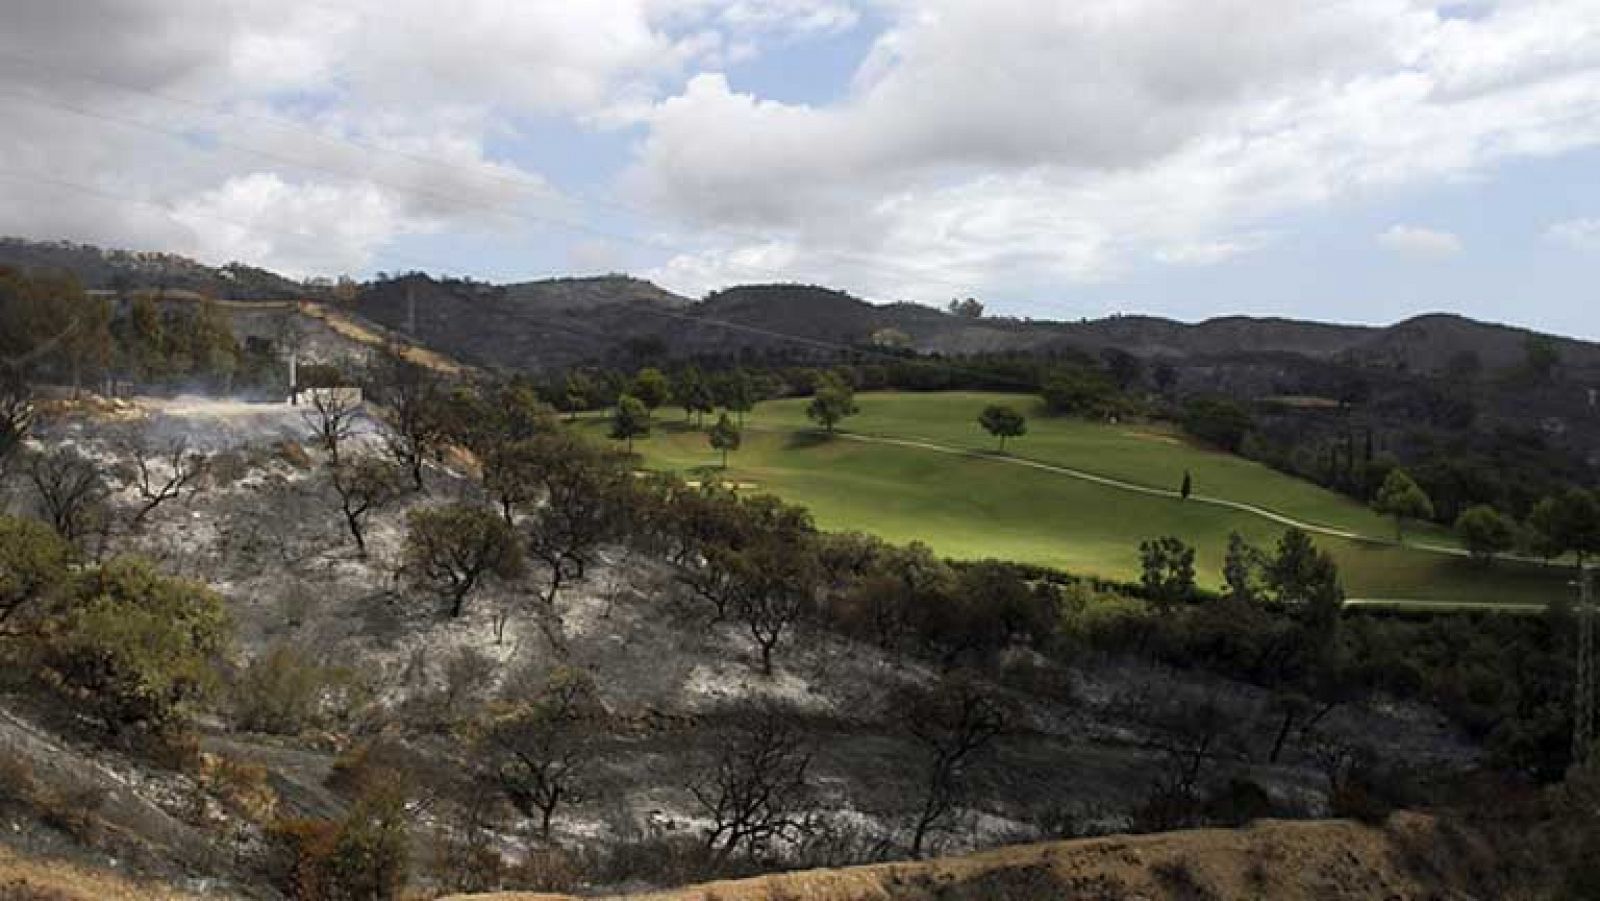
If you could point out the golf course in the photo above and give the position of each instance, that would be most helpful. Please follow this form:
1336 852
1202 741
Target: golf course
1070 494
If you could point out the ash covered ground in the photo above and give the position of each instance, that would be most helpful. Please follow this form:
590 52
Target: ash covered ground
263 529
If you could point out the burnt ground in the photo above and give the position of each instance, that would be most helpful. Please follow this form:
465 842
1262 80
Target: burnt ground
267 536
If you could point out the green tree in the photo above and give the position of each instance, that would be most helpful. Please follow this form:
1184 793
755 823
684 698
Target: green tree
146 340
1241 569
1080 391
1402 498
1167 572
212 348
137 647
34 565
835 399
651 388
739 393
1568 522
451 549
693 394
1304 580
1218 420
631 420
577 394
1003 422
1187 488
1486 532
725 437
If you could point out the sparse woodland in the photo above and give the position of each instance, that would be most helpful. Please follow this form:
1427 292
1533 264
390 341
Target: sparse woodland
437 641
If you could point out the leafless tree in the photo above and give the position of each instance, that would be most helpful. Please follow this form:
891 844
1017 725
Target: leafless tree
757 790
542 748
71 492
1189 733
415 422
331 417
953 723
162 474
364 486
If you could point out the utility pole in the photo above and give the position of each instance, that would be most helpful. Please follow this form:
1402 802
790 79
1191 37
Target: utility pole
1584 693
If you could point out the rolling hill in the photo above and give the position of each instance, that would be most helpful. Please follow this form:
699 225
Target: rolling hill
915 467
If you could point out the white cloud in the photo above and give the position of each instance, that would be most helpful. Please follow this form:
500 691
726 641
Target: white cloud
1579 234
1210 252
393 106
1420 243
1014 141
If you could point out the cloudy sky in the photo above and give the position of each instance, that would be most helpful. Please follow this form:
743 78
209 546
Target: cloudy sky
1355 160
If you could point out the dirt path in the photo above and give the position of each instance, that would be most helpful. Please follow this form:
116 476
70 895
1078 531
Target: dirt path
1086 476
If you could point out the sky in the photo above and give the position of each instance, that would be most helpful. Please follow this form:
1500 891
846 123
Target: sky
1345 160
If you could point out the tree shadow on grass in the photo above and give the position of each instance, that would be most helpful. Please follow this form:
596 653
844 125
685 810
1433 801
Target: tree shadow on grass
807 439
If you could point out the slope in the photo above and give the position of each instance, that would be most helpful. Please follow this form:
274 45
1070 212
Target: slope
1411 858
976 505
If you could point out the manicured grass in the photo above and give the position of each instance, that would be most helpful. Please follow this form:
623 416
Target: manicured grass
975 507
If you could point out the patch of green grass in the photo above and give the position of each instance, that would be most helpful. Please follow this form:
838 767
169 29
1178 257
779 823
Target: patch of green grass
973 507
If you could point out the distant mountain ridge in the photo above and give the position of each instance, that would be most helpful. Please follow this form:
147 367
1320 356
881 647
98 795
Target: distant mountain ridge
100 269
550 323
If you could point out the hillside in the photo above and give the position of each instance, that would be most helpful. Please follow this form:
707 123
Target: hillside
589 292
1409 859
112 270
915 467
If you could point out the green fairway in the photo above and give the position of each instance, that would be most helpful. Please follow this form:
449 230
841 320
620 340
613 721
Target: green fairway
980 506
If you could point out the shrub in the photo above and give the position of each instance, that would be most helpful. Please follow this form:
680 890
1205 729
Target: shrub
137 648
363 857
280 691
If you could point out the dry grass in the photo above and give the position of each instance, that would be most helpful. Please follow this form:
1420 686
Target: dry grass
1282 861
355 331
24 879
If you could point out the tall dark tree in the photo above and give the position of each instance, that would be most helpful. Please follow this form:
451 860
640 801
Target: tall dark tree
834 400
1003 422
651 388
1486 532
1167 572
630 420
1401 499
725 437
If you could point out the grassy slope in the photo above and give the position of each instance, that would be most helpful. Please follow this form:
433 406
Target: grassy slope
974 507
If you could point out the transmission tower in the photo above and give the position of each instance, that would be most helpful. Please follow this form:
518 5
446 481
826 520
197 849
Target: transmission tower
1584 694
